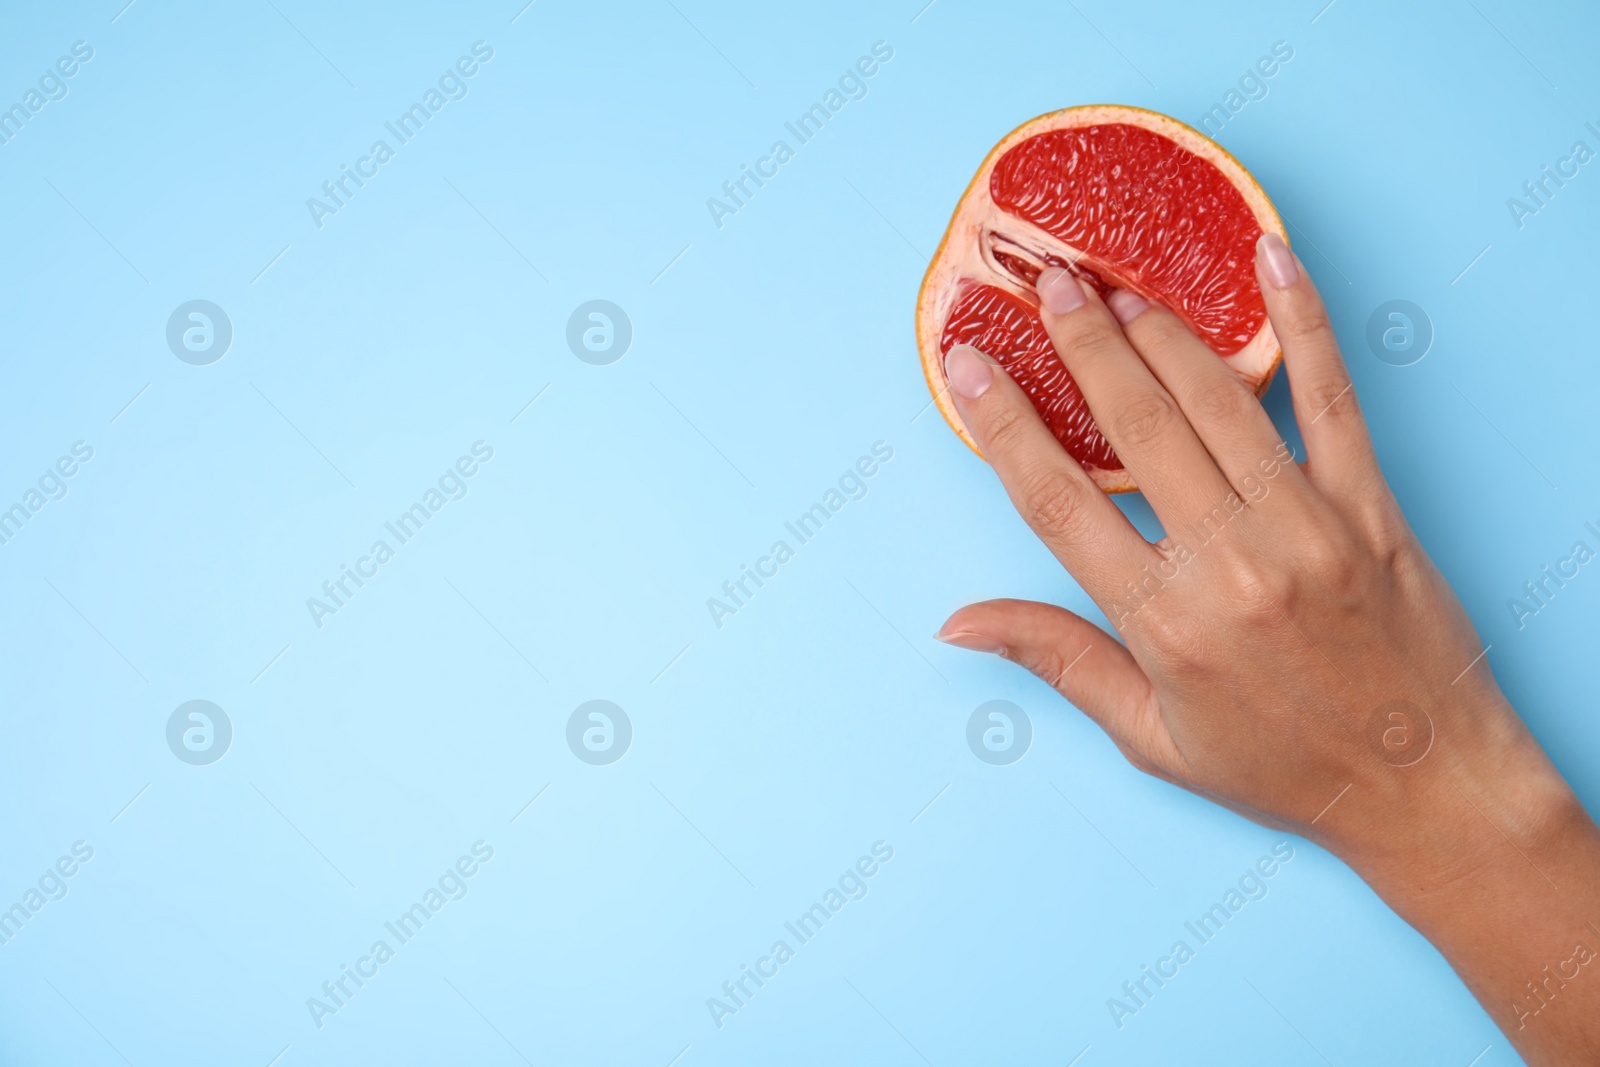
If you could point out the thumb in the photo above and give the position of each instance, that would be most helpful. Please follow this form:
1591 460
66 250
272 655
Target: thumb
1081 661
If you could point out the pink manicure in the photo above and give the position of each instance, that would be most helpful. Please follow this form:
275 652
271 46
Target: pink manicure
1059 291
969 373
971 641
1125 305
1277 261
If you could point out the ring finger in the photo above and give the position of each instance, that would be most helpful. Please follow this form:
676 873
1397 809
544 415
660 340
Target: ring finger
1223 410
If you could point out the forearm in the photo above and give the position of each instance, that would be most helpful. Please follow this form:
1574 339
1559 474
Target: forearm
1496 863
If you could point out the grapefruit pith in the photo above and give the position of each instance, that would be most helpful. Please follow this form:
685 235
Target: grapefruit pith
1122 198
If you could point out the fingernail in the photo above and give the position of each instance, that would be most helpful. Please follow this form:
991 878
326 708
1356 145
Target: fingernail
969 373
1125 305
1277 261
1059 291
972 642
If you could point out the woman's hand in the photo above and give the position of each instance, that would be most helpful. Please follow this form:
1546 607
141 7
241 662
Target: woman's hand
1291 652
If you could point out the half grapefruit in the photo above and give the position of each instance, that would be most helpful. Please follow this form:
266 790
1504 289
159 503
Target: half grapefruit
1123 198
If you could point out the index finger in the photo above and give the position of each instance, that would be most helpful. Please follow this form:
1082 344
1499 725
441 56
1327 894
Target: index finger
1050 490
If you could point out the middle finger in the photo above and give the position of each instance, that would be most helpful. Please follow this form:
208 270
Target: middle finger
1141 420
1220 406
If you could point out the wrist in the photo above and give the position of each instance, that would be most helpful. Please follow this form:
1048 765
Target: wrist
1473 838
1429 831
1491 857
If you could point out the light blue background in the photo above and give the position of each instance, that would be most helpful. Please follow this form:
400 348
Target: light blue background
769 356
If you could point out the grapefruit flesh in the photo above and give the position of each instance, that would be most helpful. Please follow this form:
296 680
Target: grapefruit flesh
1122 198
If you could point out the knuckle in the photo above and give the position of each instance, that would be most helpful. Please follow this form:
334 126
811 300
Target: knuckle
1165 334
1331 398
1325 567
1096 344
1312 328
1385 527
1221 401
1052 502
1332 564
1049 665
1005 428
1145 419
1260 588
1179 638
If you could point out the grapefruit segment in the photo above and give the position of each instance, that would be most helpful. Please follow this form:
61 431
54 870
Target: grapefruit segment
1122 198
